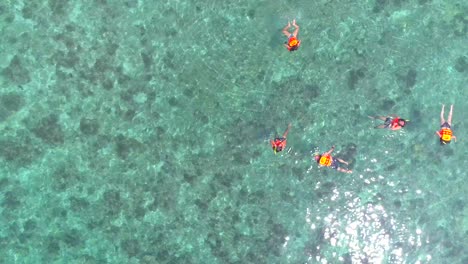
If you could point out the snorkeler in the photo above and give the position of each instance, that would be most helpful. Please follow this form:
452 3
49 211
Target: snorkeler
292 43
391 122
445 133
327 160
279 143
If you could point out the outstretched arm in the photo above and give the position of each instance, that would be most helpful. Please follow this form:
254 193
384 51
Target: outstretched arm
286 28
438 134
330 151
285 134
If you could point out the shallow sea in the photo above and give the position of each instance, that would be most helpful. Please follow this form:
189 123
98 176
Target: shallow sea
138 132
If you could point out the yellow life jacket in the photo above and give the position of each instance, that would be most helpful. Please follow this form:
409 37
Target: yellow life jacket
325 160
446 134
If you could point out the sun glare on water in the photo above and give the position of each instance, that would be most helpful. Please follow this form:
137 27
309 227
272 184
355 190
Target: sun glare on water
364 232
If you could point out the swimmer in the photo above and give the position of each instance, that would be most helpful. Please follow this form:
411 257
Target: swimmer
391 122
292 43
326 160
445 133
279 143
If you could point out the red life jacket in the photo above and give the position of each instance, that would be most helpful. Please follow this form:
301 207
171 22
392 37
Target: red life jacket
278 144
395 122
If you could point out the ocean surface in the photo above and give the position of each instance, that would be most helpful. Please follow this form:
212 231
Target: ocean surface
137 131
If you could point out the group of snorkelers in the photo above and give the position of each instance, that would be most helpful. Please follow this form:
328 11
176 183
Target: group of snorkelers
325 159
392 122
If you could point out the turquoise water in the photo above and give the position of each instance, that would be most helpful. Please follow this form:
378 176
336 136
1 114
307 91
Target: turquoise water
137 132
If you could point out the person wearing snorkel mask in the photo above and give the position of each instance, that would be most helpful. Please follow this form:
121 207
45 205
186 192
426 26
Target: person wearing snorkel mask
292 43
279 143
391 122
445 133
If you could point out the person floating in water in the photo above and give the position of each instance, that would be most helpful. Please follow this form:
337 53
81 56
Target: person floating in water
279 143
391 122
327 160
445 133
292 43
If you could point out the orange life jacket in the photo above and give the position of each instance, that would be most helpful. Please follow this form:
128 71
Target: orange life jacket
445 134
293 43
325 160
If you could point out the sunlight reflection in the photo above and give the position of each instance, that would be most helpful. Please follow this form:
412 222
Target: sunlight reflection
362 231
